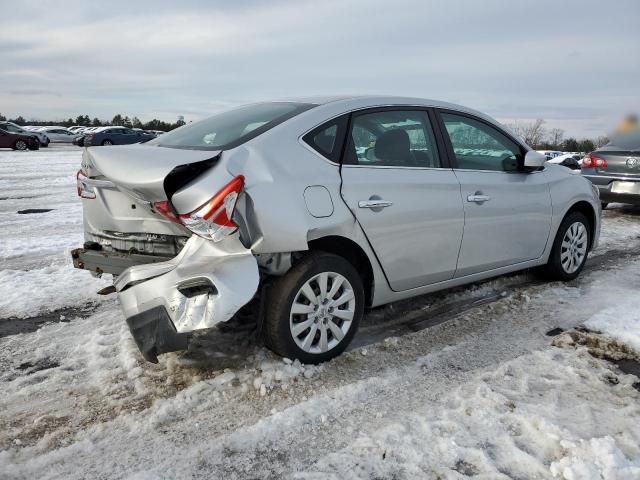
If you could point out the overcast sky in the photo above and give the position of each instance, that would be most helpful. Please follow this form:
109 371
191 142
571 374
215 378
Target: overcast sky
574 63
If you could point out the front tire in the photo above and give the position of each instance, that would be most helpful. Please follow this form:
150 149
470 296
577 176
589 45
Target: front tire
570 248
20 145
107 142
604 205
313 311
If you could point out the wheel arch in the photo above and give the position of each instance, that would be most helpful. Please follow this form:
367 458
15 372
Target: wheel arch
588 211
352 253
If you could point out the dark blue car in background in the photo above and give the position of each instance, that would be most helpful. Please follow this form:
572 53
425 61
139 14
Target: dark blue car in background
116 136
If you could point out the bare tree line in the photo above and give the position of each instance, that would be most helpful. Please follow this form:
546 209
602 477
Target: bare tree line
536 135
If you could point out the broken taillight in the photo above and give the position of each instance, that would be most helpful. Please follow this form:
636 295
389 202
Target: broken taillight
213 219
164 209
84 189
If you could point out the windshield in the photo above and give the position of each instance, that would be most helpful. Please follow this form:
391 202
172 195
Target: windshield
231 128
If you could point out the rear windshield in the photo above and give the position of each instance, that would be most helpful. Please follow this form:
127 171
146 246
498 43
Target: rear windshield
231 128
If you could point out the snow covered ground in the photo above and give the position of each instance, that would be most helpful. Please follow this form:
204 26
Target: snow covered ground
464 383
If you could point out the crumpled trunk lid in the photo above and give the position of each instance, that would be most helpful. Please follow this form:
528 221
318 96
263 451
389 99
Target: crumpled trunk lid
141 169
127 180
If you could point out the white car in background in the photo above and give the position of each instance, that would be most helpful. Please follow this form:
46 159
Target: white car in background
59 134
570 160
15 128
550 154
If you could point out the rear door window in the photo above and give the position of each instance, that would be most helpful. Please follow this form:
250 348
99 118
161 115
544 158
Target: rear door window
392 138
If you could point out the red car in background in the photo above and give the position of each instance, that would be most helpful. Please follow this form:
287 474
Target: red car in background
18 141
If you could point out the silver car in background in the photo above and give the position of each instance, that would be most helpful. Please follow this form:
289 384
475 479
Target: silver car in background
321 208
58 134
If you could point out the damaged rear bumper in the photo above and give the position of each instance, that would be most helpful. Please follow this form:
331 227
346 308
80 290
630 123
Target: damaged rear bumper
207 283
103 261
154 333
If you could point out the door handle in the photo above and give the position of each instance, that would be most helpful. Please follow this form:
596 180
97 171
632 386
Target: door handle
478 198
374 203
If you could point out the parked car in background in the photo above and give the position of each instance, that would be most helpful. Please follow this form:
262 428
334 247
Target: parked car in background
80 134
11 127
58 134
569 160
615 169
266 195
550 153
116 136
18 141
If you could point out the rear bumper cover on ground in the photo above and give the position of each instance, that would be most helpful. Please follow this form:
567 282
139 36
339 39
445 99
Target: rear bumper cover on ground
164 300
207 283
154 333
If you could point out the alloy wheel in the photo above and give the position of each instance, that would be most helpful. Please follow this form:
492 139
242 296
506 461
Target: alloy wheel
21 145
322 312
574 247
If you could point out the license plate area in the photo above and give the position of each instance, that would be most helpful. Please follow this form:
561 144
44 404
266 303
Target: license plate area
626 187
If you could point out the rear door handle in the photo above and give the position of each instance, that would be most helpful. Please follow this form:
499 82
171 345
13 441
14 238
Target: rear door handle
478 198
374 203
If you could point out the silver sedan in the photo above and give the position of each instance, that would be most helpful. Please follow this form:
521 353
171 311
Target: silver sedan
317 209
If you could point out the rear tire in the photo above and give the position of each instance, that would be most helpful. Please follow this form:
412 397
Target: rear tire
319 328
20 145
107 142
570 248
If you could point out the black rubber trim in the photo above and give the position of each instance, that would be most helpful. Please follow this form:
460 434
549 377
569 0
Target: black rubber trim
155 333
182 175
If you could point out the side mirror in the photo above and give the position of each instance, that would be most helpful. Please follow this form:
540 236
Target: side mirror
534 159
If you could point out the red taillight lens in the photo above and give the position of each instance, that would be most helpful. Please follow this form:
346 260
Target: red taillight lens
594 161
213 219
164 209
84 189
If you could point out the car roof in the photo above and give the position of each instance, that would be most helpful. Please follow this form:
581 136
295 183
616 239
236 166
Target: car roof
382 100
353 102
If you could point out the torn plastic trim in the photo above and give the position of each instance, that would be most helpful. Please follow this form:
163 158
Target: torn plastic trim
207 283
154 334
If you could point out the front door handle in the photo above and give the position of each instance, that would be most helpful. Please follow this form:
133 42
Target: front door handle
478 198
374 203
